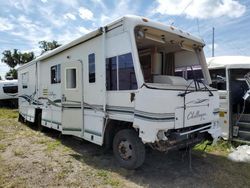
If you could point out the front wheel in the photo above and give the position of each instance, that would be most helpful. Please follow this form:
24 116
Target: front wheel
128 149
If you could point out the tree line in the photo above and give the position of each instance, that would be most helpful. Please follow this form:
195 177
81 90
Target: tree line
15 57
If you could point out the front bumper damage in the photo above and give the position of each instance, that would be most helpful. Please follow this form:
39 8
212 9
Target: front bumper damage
188 137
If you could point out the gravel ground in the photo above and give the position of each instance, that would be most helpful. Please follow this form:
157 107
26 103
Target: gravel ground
29 158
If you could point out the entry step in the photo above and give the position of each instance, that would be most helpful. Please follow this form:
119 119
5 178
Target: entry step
244 126
244 135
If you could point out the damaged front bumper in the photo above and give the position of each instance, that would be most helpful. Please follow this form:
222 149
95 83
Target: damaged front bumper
187 137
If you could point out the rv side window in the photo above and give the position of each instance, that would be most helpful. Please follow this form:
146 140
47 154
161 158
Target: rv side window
111 73
55 74
91 68
127 79
25 80
71 78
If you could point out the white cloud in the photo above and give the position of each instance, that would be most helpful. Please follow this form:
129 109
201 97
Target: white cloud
100 3
85 13
69 3
5 24
122 7
31 31
69 16
48 13
23 5
83 30
202 9
44 1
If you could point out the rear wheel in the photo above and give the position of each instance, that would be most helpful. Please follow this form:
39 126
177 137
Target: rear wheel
128 149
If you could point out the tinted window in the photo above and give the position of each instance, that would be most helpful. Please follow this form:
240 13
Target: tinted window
71 78
111 73
55 73
91 68
127 79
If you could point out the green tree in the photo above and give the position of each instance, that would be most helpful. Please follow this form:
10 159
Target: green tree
12 59
46 46
11 74
0 77
26 57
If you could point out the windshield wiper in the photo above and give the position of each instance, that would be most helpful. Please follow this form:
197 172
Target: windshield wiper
205 86
186 91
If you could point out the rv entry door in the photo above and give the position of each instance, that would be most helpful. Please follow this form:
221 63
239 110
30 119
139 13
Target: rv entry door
72 112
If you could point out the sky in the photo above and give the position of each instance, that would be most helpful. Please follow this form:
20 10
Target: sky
23 23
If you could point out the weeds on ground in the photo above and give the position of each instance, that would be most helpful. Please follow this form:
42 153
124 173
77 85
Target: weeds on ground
2 134
51 146
18 152
222 146
2 147
108 178
6 113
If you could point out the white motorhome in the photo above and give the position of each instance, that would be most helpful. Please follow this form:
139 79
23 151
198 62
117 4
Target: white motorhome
230 76
8 93
116 86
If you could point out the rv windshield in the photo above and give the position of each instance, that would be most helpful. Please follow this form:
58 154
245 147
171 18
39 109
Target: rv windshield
162 55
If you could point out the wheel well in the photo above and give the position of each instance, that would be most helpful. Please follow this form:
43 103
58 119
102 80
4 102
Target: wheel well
112 127
37 112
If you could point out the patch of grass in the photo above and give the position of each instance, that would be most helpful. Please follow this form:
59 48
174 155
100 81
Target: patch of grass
19 152
52 145
66 149
41 141
3 147
102 173
108 178
2 134
221 146
8 113
113 182
63 173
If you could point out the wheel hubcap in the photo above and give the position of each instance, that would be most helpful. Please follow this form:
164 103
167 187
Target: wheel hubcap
125 150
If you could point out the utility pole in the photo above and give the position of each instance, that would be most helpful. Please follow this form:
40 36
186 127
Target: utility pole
213 44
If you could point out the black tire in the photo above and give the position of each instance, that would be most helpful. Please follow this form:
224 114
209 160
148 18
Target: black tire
128 149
